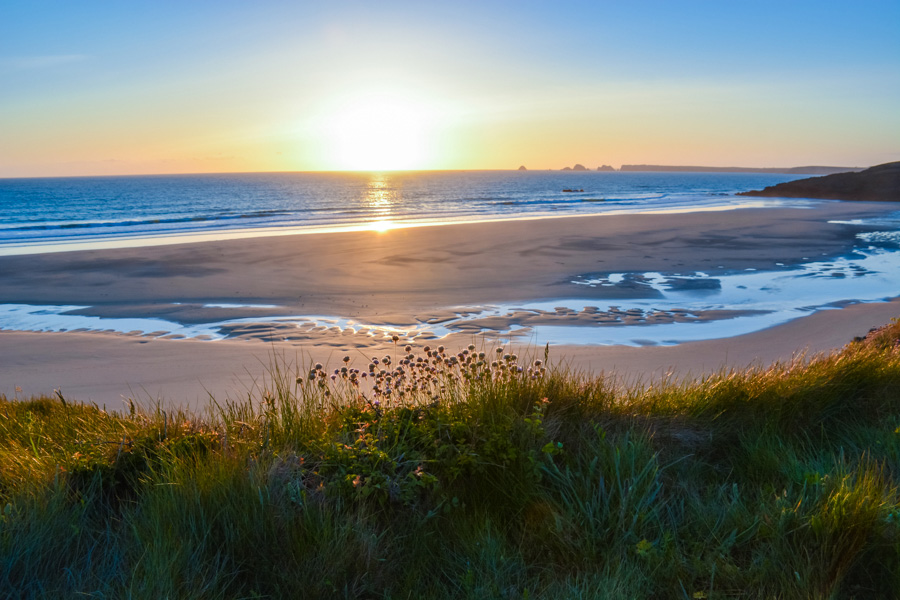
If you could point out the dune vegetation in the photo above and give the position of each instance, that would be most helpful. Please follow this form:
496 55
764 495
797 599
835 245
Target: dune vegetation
428 474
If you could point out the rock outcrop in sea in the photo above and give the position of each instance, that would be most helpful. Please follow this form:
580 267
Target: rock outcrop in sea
605 168
879 184
522 168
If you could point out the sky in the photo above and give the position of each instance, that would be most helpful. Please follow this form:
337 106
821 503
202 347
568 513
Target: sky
99 88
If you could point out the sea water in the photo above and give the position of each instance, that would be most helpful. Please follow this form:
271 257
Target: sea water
41 214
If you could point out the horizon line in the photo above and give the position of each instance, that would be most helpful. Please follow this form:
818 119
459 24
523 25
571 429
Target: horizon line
566 169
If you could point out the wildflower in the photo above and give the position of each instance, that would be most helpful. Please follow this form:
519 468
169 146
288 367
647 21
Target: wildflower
395 338
471 347
318 367
408 349
499 350
346 359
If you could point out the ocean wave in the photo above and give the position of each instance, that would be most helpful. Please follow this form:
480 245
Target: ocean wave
141 222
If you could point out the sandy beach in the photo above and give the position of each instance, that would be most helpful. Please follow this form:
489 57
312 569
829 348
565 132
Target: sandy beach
404 279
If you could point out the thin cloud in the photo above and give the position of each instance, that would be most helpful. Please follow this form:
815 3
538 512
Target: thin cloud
24 63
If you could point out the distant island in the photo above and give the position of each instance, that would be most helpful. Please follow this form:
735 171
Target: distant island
580 167
808 170
877 184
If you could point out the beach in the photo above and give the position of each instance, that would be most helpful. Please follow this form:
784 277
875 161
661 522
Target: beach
355 289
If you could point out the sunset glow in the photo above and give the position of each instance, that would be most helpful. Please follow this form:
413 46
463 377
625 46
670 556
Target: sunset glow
94 89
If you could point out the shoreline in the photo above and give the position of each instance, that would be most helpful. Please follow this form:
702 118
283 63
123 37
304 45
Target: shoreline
381 225
404 276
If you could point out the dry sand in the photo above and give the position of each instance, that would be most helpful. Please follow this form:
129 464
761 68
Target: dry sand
399 277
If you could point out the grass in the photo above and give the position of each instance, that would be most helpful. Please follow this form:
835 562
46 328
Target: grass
433 475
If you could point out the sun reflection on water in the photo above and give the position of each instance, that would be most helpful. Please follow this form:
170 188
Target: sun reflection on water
381 196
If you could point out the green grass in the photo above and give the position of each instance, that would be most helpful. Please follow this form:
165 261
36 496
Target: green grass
471 478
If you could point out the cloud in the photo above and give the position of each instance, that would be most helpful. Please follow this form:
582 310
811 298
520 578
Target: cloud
25 63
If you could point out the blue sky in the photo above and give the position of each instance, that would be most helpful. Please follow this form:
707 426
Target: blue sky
100 87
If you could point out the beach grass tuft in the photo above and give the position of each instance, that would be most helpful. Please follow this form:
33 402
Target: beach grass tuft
476 474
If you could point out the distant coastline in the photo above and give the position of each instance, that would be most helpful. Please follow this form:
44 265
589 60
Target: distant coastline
805 170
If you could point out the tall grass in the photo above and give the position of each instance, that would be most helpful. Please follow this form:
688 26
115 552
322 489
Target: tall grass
470 475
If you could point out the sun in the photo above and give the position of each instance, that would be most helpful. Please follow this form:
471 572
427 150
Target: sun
380 132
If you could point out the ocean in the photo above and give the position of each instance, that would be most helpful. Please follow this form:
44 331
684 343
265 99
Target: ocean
41 214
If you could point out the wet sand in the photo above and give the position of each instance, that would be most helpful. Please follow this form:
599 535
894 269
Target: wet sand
397 278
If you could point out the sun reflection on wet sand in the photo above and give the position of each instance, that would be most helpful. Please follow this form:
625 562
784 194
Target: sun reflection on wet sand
382 226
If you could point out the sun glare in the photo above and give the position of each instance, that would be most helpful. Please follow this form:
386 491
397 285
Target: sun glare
382 226
380 132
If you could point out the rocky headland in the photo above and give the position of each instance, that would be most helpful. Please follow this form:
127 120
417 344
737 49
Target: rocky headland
879 184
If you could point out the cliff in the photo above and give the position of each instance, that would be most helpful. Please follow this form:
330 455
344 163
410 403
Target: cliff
880 183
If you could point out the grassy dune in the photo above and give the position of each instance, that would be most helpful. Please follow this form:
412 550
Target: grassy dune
471 478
